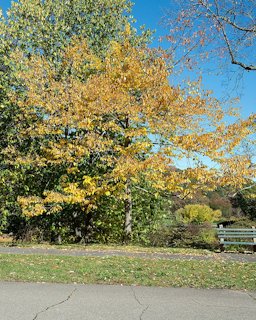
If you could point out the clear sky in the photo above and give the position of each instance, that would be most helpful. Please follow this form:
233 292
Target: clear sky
150 12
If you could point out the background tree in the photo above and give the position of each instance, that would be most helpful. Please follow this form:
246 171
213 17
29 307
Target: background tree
245 202
47 26
9 177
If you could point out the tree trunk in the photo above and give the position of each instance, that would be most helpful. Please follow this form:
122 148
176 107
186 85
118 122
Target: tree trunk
128 212
128 200
59 239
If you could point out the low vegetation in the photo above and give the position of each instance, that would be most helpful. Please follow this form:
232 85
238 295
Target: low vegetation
128 271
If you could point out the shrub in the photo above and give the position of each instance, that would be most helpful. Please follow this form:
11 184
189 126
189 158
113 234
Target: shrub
243 223
195 213
191 235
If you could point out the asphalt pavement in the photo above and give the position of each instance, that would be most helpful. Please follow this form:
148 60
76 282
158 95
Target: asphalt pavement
39 301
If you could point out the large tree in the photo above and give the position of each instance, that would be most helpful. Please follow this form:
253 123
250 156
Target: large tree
121 113
46 27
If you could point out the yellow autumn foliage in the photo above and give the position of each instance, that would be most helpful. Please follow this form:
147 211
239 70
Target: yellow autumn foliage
196 213
123 112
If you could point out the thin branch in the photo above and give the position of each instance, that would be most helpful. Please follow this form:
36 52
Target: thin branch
233 59
142 189
227 20
246 188
253 29
230 50
185 55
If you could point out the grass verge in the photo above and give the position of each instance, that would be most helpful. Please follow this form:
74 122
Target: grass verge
109 247
128 271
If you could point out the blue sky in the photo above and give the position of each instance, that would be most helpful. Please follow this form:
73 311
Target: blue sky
150 12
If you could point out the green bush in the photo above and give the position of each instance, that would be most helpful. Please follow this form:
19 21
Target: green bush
197 213
243 223
191 235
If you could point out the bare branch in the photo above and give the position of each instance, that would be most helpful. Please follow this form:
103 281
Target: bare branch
218 17
225 28
232 56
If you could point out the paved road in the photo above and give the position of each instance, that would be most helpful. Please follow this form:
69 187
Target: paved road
97 253
26 301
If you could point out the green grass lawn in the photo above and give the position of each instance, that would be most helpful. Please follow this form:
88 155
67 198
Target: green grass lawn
128 271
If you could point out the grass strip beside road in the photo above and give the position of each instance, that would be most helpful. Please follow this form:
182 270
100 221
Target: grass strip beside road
109 247
128 271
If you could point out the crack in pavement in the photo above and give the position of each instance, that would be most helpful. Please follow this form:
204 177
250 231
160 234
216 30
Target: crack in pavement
251 296
54 305
138 301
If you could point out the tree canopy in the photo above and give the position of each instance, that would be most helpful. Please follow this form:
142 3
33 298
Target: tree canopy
90 122
122 114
